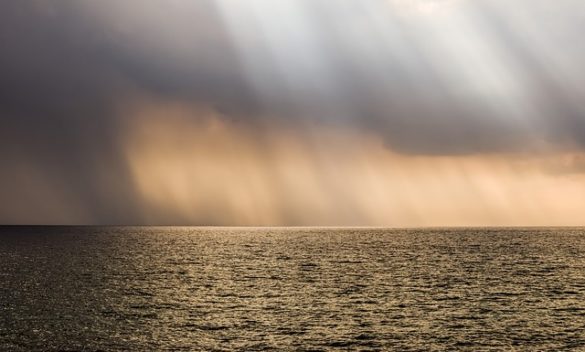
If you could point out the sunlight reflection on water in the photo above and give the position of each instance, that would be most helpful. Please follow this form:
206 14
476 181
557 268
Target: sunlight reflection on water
140 288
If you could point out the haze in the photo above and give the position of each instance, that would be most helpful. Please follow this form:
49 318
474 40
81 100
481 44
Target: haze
292 112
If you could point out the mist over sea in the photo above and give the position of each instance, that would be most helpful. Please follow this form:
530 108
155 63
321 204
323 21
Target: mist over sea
299 289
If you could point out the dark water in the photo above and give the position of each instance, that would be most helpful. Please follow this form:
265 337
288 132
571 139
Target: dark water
190 289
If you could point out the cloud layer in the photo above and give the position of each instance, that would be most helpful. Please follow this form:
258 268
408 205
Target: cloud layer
425 78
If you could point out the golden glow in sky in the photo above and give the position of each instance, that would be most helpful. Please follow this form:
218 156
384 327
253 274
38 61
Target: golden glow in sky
293 112
215 172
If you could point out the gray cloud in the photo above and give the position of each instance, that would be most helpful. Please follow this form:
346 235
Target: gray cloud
429 77
456 77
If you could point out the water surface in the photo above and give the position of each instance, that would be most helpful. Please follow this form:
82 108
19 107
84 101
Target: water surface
213 289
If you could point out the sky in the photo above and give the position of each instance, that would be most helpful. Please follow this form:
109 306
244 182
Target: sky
398 113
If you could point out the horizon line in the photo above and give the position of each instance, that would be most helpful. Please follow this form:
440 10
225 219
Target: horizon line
304 226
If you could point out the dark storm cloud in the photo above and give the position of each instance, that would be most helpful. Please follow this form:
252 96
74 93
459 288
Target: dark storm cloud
65 70
56 104
429 77
60 54
387 66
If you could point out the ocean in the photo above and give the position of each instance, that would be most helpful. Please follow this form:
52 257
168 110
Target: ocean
291 289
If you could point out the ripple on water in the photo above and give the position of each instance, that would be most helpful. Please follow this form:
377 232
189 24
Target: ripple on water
190 289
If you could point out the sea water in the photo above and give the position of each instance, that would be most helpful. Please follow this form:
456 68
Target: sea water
297 289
